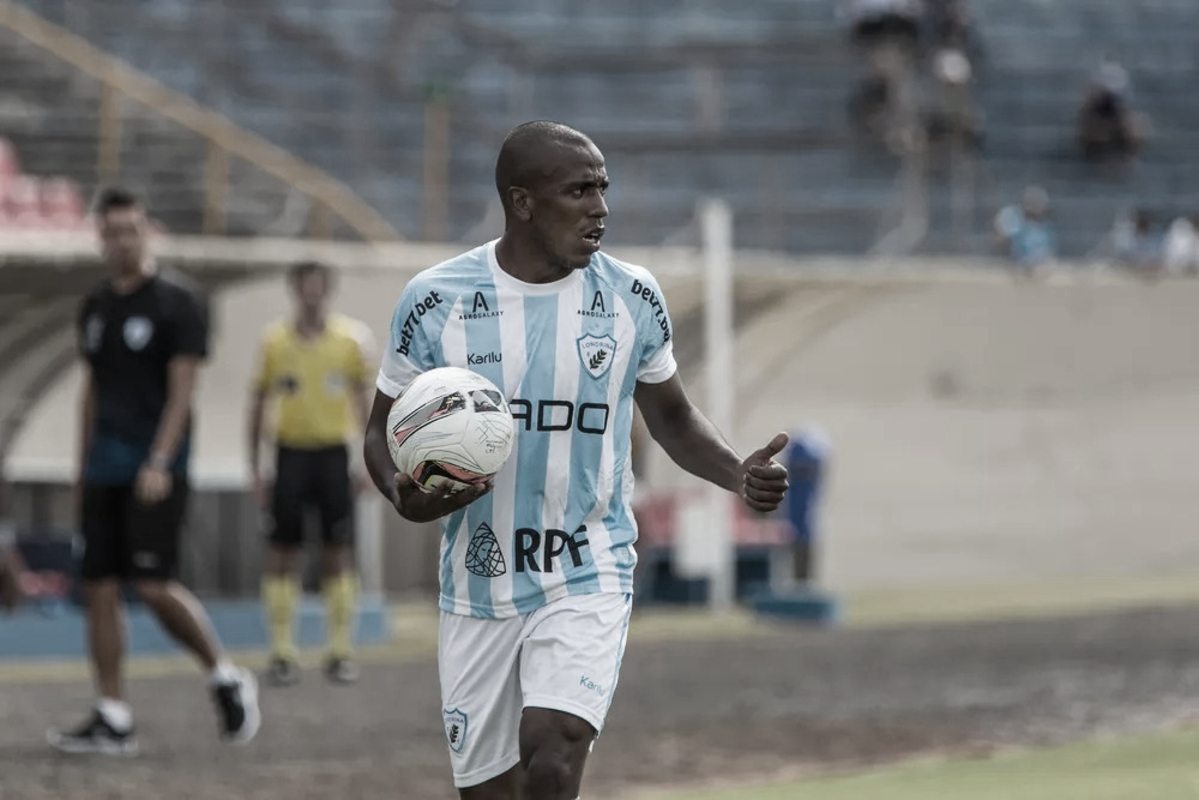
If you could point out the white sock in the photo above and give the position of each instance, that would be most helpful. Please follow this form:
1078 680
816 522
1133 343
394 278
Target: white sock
224 673
116 713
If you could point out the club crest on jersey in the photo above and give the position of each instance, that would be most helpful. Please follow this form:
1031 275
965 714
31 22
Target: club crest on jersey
455 728
137 332
597 354
93 333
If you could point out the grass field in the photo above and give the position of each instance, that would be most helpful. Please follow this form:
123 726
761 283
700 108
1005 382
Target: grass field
1158 767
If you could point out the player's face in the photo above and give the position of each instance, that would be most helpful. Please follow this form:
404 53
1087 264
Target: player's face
568 209
312 291
123 237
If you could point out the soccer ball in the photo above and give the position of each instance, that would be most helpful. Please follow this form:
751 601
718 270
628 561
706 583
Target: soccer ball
450 428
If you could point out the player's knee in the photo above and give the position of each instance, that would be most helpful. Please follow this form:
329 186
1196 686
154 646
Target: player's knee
553 757
151 592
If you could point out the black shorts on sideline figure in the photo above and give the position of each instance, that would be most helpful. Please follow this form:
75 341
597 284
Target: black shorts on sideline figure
127 539
316 478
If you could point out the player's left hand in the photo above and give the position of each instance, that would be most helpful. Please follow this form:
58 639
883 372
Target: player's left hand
764 480
153 484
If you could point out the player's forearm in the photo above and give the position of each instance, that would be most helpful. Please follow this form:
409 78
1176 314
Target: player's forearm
374 448
378 461
181 382
694 443
87 420
254 430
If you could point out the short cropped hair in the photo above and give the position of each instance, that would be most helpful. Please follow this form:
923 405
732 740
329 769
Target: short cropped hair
302 269
116 198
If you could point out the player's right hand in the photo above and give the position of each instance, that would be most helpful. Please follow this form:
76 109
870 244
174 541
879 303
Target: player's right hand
418 505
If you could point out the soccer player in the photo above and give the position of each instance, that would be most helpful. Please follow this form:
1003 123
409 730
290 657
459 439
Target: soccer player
142 335
537 565
316 368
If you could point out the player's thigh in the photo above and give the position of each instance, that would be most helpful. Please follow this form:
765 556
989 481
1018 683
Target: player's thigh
102 525
478 665
571 655
289 495
153 532
334 496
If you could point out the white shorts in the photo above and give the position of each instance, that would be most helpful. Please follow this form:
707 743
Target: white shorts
564 656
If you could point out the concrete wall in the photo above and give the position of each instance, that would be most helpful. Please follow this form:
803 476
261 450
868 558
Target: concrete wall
989 431
982 430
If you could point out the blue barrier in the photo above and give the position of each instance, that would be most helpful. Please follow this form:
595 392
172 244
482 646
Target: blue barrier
57 630
797 605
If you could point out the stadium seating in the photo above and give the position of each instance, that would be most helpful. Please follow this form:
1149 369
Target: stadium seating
30 202
686 98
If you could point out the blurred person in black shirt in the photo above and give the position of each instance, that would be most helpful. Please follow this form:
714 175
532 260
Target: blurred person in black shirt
1108 128
143 335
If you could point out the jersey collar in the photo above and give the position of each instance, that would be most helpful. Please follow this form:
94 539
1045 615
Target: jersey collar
508 281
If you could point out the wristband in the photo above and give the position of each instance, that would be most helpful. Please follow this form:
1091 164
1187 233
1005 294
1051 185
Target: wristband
159 461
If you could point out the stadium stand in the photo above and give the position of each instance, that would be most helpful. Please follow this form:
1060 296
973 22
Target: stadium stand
685 98
31 202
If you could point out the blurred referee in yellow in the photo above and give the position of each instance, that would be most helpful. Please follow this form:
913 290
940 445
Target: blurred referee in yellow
314 371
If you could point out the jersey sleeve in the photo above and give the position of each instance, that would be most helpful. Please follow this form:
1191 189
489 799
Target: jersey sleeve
409 351
189 327
656 362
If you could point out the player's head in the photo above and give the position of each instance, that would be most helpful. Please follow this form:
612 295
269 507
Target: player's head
312 283
551 180
1035 202
123 228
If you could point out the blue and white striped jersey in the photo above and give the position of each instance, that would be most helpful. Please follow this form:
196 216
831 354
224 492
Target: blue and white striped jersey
568 356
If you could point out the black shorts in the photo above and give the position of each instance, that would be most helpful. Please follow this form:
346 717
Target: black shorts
127 539
317 478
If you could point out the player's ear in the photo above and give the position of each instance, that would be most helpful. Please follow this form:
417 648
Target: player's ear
521 201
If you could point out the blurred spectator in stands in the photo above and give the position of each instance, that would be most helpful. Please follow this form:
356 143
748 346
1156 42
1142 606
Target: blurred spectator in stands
953 117
888 31
950 27
1180 252
878 22
1108 128
1025 232
1136 245
955 53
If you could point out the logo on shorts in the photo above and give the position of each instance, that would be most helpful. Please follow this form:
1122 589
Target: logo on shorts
455 728
592 686
596 353
138 331
483 555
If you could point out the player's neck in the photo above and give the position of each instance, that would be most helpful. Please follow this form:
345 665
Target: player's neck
310 324
127 281
526 262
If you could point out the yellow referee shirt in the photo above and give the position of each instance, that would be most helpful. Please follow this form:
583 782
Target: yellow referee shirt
313 380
